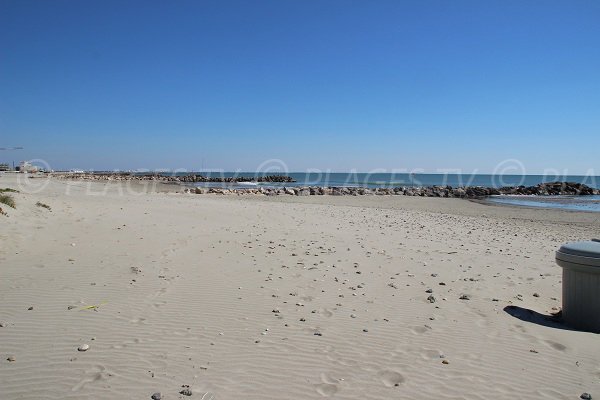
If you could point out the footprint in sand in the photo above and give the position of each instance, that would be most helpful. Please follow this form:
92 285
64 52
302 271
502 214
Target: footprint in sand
419 330
326 389
556 345
97 373
391 378
429 354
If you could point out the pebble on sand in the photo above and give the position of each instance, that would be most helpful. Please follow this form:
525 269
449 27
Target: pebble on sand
186 391
11 359
83 347
156 396
585 396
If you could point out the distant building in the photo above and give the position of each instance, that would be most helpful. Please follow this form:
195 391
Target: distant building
4 167
27 167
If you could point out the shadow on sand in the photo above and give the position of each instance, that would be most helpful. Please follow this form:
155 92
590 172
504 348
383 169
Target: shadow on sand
527 315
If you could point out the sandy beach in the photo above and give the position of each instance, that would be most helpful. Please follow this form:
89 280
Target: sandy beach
255 297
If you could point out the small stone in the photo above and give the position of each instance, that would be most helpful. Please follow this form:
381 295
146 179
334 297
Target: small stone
11 359
318 334
83 347
2 324
365 330
465 297
156 396
30 308
536 295
186 391
429 291
71 307
585 396
352 315
445 362
431 299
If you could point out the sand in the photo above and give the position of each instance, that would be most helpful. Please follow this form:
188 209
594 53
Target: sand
248 297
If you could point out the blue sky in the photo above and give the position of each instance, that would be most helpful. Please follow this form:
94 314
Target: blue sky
337 85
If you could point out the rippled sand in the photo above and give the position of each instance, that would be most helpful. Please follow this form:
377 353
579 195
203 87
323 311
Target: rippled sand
284 298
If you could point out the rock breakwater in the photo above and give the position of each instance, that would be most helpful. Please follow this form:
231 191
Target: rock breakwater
471 192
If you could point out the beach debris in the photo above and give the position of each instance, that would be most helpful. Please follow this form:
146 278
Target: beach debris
156 396
30 308
352 315
2 324
585 396
11 359
92 307
136 270
431 298
465 297
186 391
445 362
83 347
429 291
536 295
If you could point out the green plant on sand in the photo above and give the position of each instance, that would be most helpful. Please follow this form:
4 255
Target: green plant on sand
8 200
8 190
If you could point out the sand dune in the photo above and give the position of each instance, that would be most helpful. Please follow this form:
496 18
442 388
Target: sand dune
284 298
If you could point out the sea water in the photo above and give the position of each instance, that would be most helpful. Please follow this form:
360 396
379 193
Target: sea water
574 203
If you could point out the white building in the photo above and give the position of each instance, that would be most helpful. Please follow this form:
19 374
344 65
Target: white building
27 167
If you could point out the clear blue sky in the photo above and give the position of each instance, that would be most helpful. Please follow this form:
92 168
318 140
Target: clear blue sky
335 85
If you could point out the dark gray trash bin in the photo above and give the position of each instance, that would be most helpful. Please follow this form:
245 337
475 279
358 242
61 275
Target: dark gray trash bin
580 262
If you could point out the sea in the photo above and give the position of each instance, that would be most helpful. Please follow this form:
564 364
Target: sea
387 180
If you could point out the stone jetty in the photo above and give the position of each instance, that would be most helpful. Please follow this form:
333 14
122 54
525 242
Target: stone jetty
470 192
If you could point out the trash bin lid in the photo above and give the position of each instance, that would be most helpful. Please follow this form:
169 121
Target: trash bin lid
585 253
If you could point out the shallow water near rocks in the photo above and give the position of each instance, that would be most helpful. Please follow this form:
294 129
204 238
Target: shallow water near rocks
574 203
